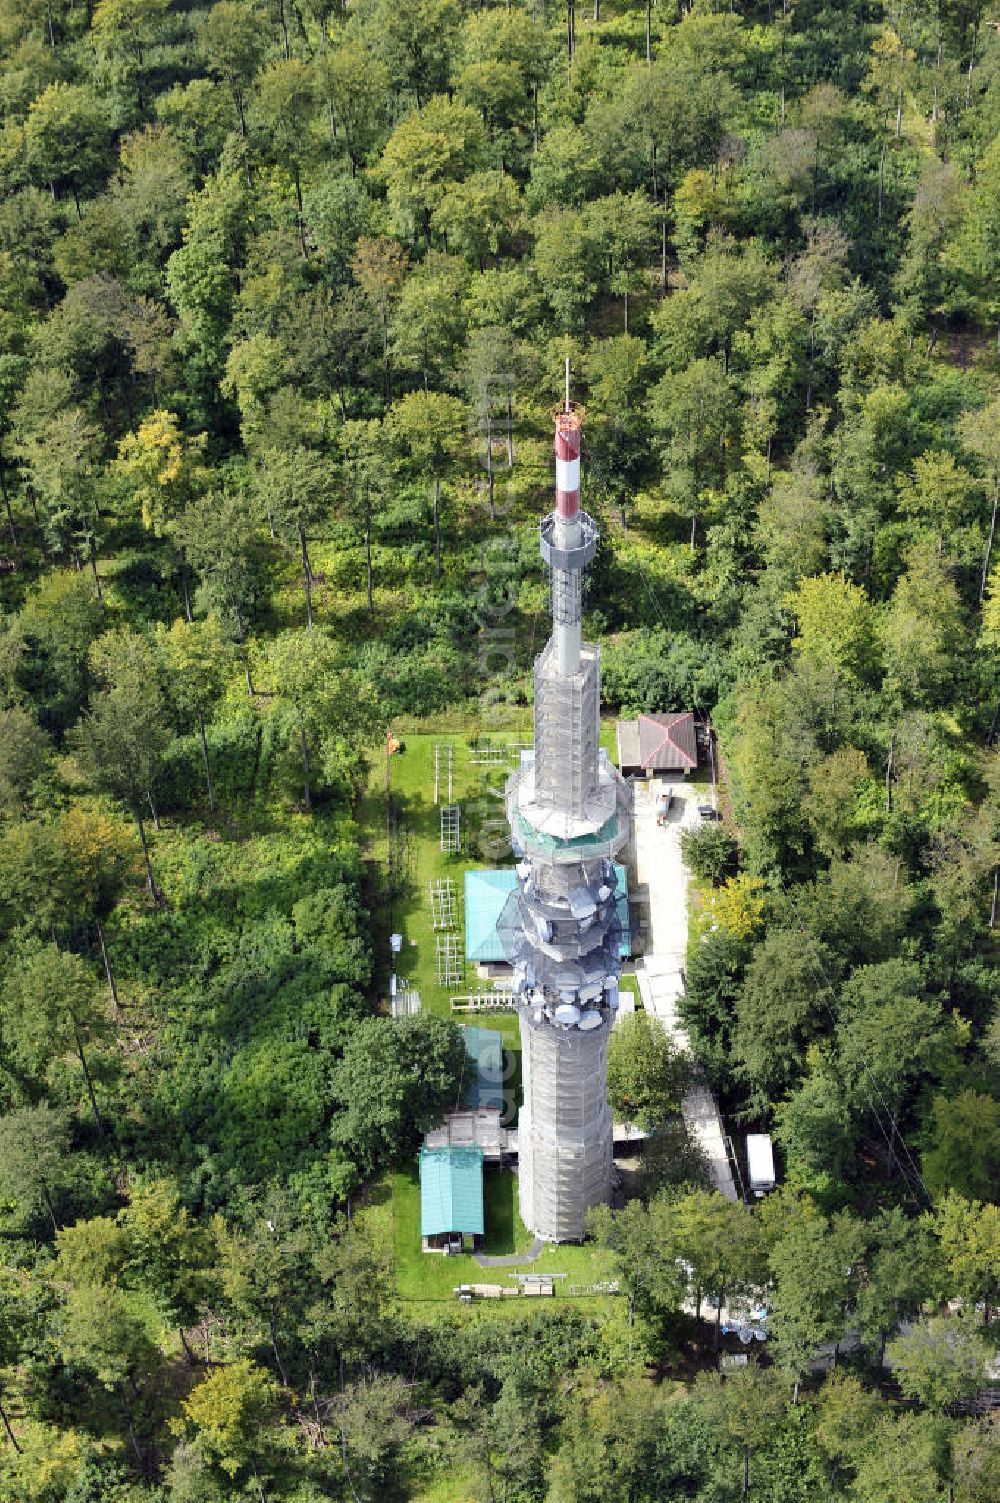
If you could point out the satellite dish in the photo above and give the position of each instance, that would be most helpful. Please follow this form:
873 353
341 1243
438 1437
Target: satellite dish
591 1019
568 1014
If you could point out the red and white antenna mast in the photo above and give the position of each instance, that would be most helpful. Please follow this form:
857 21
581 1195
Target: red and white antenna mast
567 557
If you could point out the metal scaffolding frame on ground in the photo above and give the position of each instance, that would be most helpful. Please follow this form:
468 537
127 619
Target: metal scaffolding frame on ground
444 770
451 823
449 962
442 897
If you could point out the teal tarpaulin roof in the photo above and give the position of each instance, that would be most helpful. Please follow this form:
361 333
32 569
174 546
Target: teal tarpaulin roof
485 894
451 1191
483 1086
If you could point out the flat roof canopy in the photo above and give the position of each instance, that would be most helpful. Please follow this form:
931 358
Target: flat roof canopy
486 892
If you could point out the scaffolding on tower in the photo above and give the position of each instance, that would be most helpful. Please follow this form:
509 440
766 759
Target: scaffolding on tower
569 815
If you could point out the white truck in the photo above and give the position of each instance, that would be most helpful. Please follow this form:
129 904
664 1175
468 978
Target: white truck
760 1163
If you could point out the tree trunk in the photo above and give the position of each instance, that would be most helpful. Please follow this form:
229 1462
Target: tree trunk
10 1434
185 591
649 32
81 1056
437 527
368 561
249 681
238 101
274 1348
152 810
306 576
305 767
93 570
972 64
315 1401
301 216
881 180
208 765
343 1436
189 1354
510 431
150 879
888 774
746 1474
489 466
130 1426
49 1206
6 501
991 538
112 986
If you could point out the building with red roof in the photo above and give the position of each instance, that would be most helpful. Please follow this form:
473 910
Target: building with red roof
658 743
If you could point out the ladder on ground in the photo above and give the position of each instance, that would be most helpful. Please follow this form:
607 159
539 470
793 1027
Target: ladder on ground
448 962
442 894
444 770
450 828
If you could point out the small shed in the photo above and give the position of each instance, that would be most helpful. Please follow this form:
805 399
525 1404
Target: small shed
658 743
451 1198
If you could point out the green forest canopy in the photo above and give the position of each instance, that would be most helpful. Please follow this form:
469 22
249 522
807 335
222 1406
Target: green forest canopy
286 289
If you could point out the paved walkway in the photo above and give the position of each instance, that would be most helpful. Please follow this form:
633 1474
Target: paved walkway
662 883
510 1260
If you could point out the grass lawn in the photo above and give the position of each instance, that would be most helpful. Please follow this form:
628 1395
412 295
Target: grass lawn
425 1281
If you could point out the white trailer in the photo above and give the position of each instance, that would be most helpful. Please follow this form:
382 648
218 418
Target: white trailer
760 1162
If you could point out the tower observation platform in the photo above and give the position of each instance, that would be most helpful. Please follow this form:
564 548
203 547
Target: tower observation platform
570 815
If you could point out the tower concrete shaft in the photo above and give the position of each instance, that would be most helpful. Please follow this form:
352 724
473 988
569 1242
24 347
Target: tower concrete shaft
569 813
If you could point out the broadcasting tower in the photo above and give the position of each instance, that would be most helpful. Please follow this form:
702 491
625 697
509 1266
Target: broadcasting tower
569 813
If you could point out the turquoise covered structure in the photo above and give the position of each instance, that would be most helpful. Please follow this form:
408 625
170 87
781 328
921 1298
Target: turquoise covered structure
487 891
